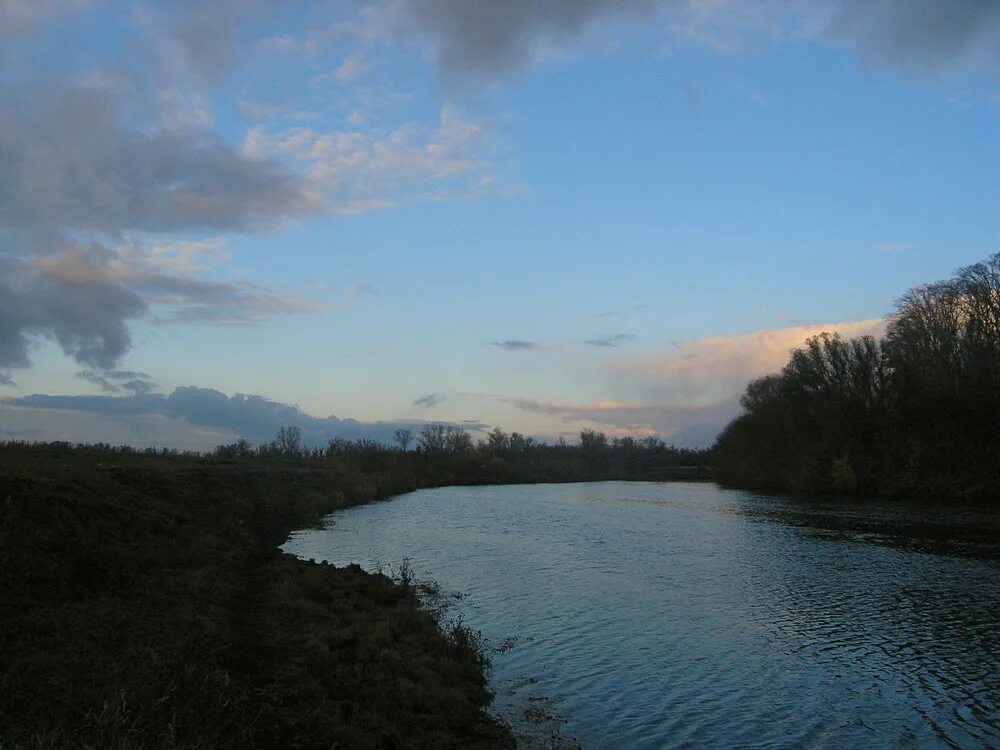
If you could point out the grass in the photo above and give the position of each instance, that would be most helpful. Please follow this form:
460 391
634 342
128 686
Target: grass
146 606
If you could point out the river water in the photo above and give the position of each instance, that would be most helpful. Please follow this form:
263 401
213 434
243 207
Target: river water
653 615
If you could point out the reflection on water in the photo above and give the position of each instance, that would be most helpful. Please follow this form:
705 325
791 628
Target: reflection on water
641 615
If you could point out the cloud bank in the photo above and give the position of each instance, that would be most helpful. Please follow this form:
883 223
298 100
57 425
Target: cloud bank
189 417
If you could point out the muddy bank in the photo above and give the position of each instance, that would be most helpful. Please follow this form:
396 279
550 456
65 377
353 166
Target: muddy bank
146 606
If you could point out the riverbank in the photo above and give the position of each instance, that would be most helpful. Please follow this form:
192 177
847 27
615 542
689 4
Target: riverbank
146 605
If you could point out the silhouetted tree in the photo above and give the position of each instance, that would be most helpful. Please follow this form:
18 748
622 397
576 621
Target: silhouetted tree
288 441
403 437
432 438
919 410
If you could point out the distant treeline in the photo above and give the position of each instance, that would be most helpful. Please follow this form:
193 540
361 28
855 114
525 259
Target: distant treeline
442 454
914 413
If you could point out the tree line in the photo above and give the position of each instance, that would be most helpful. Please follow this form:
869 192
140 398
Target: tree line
439 454
914 412
445 454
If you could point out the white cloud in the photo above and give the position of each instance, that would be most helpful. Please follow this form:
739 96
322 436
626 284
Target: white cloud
357 170
350 70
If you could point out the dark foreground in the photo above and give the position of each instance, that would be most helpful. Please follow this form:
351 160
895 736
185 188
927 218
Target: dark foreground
145 605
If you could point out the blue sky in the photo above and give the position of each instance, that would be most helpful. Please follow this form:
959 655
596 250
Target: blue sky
565 215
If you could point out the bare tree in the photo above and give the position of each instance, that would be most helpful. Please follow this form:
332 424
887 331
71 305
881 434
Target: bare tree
457 440
432 438
403 437
288 441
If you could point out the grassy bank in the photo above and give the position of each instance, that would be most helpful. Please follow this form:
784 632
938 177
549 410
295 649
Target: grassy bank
145 605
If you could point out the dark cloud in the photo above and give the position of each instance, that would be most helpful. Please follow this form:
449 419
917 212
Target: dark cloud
6 379
138 386
612 340
68 162
116 381
473 36
515 345
99 380
213 36
83 296
208 411
919 34
70 167
85 314
491 38
431 399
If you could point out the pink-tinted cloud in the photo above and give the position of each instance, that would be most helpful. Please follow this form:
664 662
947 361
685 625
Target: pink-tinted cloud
688 395
705 372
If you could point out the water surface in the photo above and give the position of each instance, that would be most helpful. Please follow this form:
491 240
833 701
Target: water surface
635 615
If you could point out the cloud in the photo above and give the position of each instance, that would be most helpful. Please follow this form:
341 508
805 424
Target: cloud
689 394
353 67
206 39
431 399
6 379
79 426
919 35
106 385
69 163
76 181
185 416
85 315
83 295
115 381
715 369
496 39
352 171
515 345
612 340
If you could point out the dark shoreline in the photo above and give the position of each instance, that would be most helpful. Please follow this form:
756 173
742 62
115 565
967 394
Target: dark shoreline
146 605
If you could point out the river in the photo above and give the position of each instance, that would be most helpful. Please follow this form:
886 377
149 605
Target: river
654 615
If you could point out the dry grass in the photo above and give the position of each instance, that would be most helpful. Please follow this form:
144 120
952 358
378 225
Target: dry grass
145 605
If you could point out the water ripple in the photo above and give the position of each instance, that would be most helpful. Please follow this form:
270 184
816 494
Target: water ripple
631 615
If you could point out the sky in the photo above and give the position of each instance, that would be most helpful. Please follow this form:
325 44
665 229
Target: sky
217 218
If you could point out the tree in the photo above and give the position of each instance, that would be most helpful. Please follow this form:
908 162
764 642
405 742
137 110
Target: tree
497 440
432 438
593 445
288 441
457 440
403 437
